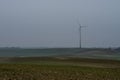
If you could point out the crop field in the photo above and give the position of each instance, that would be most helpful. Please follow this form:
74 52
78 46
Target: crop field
52 72
59 69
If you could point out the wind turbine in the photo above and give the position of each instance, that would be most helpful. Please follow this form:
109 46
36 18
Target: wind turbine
80 33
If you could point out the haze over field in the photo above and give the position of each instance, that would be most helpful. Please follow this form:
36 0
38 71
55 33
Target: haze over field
53 23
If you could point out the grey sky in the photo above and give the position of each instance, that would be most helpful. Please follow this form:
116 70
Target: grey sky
53 23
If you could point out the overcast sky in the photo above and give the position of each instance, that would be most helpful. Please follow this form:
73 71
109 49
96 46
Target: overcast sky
54 23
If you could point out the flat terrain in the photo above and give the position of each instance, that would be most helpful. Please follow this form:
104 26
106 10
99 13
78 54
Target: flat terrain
60 64
58 68
96 53
62 61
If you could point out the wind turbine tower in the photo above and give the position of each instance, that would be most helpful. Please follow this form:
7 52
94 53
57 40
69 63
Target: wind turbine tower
80 33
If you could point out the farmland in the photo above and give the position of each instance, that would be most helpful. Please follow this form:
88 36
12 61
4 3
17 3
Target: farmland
96 53
59 68
59 64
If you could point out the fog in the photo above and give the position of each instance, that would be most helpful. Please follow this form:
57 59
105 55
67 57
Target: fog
54 23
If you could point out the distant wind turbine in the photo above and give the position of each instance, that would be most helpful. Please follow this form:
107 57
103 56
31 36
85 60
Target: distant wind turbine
80 33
